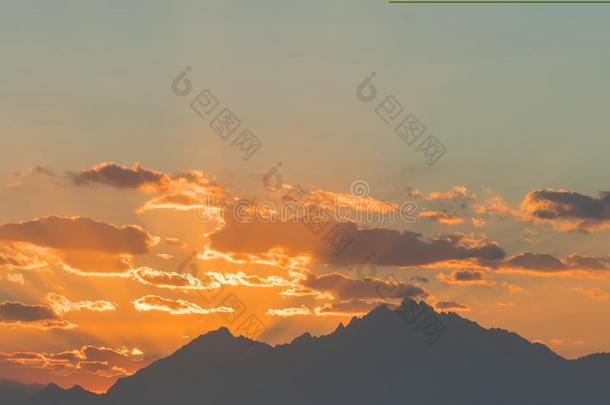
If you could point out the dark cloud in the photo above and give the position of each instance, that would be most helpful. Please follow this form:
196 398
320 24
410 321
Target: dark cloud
189 184
113 174
545 263
465 277
396 248
567 209
19 315
537 261
451 305
347 308
100 361
587 262
79 233
393 248
341 287
18 312
93 263
419 279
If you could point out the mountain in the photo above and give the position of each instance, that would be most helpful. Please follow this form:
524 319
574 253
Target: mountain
55 395
12 392
409 355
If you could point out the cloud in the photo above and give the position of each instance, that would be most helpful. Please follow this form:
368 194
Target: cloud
576 261
248 280
61 305
177 201
573 265
536 261
513 289
16 311
87 263
12 262
340 287
19 315
206 281
22 256
101 361
115 175
350 207
593 293
568 210
454 206
15 278
466 277
419 279
174 307
440 217
170 280
20 176
290 311
392 248
352 307
457 196
494 205
79 233
451 305
181 189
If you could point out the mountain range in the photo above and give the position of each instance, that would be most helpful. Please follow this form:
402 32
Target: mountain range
405 355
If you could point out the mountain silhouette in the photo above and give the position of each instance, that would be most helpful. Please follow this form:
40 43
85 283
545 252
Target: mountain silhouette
12 392
389 356
55 395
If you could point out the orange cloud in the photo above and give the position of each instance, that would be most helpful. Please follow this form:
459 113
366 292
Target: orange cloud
494 205
94 360
177 201
354 307
458 203
457 192
466 277
393 248
593 293
513 289
451 306
439 217
170 280
248 280
22 256
180 191
19 315
61 305
342 288
174 307
290 311
567 210
113 174
349 207
79 233
87 263
574 265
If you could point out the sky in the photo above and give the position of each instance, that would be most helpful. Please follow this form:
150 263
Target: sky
132 221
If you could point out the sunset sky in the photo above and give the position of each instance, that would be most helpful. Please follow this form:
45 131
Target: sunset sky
118 239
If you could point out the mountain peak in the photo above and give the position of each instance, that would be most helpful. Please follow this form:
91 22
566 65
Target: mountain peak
411 303
372 360
54 394
222 331
52 387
